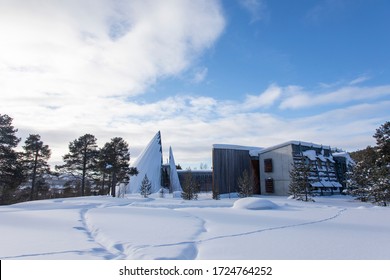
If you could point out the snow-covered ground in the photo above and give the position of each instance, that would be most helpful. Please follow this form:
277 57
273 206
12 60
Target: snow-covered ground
94 228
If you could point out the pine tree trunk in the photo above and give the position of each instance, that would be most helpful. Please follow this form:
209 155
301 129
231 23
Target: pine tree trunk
113 184
34 175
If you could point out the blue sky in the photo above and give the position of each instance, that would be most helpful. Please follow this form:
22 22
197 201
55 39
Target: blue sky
247 72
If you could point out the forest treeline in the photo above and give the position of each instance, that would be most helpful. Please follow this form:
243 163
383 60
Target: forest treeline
87 169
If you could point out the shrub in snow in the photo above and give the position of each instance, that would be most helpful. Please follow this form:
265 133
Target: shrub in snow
245 185
146 187
190 189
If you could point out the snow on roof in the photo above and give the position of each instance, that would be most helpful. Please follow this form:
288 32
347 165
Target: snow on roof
206 171
253 151
294 142
346 156
312 155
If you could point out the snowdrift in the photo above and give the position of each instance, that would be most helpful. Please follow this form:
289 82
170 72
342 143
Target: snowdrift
254 203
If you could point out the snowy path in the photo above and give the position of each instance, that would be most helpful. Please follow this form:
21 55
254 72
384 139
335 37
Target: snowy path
154 228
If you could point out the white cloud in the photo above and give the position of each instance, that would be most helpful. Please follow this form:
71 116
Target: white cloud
359 80
265 99
67 67
101 48
300 99
199 75
191 124
325 9
256 8
73 67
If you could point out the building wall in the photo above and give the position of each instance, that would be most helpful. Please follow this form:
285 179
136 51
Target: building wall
281 165
228 166
202 178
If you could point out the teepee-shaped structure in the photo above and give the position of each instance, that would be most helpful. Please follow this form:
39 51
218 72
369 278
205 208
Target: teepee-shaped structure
148 163
174 177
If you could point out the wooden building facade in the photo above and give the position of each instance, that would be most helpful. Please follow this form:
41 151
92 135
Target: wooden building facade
229 164
203 178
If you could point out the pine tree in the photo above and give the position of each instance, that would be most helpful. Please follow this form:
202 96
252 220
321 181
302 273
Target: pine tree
190 189
382 136
370 180
146 187
35 158
364 174
115 156
245 185
81 159
11 171
299 186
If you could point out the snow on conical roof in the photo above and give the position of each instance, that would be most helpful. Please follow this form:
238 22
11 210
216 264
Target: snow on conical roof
174 177
148 162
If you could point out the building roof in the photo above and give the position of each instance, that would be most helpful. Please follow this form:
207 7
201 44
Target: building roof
253 151
293 142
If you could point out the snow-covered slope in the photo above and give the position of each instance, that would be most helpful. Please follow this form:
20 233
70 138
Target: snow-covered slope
169 228
148 162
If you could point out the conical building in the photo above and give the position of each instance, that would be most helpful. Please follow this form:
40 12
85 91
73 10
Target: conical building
148 163
174 177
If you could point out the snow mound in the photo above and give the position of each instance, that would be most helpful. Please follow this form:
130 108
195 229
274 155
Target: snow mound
254 203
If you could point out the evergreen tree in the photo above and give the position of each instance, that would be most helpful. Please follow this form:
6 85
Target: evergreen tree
115 156
81 159
190 189
299 186
364 173
370 179
146 187
245 185
382 136
11 171
382 187
35 158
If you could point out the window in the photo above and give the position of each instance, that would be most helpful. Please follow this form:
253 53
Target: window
269 185
268 165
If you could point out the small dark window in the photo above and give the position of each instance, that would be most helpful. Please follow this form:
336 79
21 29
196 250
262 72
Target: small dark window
269 185
268 165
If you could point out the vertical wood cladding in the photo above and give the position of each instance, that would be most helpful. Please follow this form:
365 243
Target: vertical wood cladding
228 166
202 178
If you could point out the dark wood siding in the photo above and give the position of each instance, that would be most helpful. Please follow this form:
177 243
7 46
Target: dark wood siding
256 176
228 166
202 178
